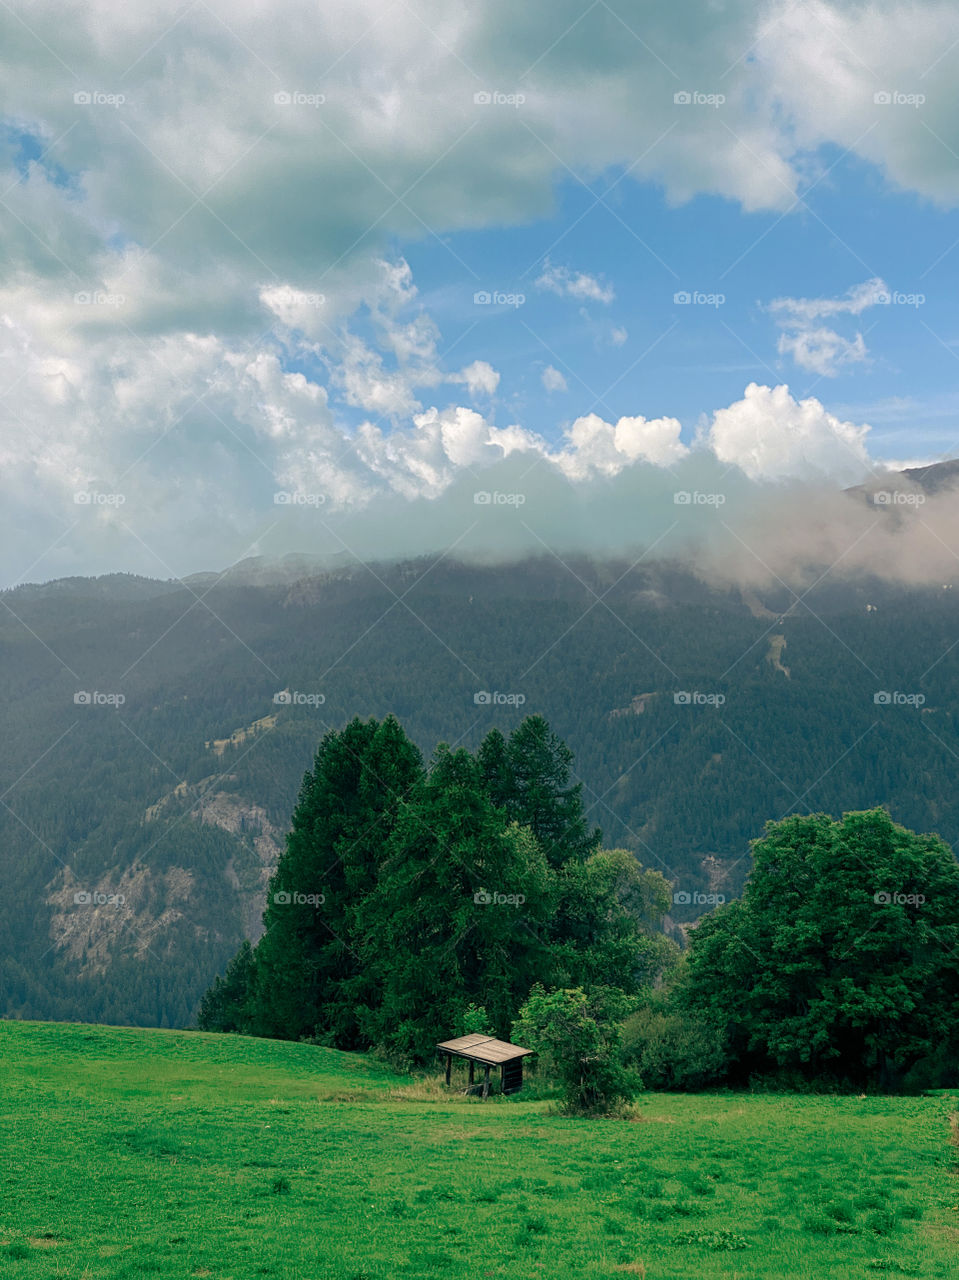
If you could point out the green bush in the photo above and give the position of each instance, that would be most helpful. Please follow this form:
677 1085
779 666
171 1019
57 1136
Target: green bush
673 1049
578 1035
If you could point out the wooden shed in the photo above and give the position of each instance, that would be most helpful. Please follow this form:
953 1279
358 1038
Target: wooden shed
488 1052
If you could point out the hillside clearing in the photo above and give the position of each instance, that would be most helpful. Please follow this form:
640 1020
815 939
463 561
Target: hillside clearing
133 1153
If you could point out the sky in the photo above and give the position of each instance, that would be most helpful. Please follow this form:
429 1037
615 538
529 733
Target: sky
375 278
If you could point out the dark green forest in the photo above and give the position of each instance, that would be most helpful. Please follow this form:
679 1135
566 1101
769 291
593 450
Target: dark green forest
412 896
134 800
468 893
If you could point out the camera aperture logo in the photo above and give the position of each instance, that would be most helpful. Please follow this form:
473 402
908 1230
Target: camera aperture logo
483 898
497 298
286 296
97 298
293 898
896 98
295 698
687 698
296 98
97 98
496 98
685 298
294 498
91 498
883 698
484 698
896 298
897 498
96 898
94 698
693 498
694 98
488 498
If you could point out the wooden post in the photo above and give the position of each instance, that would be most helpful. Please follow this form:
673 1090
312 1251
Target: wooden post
486 1085
471 1074
449 1065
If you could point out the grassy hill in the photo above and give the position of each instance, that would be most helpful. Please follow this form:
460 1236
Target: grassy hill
131 1153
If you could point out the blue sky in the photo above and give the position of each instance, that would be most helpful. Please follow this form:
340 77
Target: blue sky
241 251
701 356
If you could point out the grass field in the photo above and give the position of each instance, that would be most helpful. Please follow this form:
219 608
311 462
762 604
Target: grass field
132 1153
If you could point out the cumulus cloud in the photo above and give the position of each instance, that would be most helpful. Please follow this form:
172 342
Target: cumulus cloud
203 208
770 435
386 373
596 447
241 145
198 469
877 79
479 378
552 379
198 434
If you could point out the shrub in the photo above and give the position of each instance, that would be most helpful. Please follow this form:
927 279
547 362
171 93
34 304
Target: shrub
672 1049
579 1035
474 1020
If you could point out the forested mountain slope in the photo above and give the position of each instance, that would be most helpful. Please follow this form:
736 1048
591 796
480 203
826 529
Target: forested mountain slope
176 799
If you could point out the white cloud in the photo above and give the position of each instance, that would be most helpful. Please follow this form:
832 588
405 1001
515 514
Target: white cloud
579 285
553 380
201 169
816 347
771 436
822 350
479 378
198 433
861 296
216 212
877 79
596 447
385 375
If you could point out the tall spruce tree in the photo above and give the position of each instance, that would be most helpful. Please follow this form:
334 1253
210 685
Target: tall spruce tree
404 896
458 916
226 1006
528 776
343 819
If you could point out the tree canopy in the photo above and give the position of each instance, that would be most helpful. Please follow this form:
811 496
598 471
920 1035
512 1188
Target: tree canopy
408 894
841 959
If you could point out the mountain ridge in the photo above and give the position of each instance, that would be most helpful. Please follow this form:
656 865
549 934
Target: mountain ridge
687 735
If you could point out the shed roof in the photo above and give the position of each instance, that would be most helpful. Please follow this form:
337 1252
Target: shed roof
484 1049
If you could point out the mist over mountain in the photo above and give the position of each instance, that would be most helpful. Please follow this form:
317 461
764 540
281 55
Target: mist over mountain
723 525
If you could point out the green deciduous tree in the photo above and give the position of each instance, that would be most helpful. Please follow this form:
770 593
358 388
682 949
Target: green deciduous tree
842 957
605 928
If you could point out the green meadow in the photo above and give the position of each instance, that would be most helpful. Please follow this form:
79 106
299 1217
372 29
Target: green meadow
129 1153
